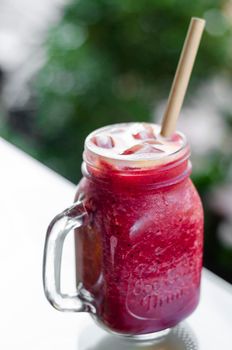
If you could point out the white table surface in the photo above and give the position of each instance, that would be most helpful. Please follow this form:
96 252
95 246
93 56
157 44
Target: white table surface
30 195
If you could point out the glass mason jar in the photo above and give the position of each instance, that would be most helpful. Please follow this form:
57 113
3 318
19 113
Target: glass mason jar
138 241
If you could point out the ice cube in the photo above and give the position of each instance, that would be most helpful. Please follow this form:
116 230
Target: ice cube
132 150
145 133
148 148
142 148
104 141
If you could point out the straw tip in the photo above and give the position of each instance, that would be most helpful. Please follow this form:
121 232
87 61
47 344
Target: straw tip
199 20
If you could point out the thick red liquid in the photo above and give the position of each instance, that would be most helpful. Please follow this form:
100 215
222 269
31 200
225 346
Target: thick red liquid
141 254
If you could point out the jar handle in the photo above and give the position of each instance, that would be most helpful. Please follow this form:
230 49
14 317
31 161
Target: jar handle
73 217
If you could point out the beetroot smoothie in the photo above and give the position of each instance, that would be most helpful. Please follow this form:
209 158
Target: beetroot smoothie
141 254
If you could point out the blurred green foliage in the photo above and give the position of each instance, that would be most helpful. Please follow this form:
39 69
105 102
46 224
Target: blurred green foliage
111 61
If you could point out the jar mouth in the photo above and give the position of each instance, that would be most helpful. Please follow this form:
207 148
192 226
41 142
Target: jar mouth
94 155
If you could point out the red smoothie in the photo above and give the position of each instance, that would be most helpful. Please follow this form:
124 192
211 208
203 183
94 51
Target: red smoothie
141 254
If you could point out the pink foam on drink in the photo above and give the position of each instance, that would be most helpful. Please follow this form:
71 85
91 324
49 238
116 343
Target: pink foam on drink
133 141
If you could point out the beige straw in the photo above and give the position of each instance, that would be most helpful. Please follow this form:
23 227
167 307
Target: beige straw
182 76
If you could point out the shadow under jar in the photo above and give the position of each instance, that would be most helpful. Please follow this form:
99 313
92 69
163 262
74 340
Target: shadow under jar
138 242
